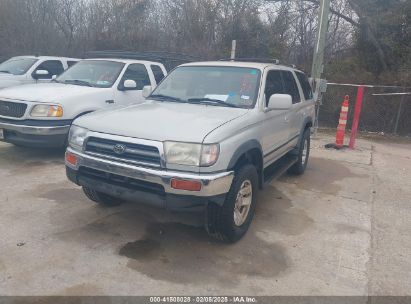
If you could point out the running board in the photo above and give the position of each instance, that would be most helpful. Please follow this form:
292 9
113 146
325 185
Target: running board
278 168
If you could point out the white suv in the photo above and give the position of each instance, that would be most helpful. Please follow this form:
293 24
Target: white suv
207 138
41 114
31 69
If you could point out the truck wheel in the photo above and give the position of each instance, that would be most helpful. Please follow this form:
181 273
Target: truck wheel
303 154
228 223
101 198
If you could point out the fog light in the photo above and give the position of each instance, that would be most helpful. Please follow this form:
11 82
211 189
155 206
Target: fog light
71 158
188 185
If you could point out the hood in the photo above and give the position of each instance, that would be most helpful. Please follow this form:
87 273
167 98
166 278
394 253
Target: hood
46 92
160 121
7 76
8 80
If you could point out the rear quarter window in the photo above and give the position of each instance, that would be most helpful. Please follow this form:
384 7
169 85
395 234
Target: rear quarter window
290 86
305 85
158 73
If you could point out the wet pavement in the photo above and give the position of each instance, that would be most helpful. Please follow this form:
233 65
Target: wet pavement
342 228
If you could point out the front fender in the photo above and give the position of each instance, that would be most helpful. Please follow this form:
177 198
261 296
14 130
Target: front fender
245 147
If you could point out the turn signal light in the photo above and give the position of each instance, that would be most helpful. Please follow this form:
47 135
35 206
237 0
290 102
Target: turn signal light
71 158
188 185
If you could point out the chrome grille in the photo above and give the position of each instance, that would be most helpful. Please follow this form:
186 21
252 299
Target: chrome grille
124 152
12 109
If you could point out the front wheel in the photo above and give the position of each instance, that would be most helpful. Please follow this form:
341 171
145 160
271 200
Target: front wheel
303 154
229 223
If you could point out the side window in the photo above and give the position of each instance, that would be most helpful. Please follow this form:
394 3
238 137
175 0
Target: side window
71 63
273 85
305 85
54 67
158 73
138 73
290 86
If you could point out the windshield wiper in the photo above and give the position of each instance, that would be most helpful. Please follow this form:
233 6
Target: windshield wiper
78 82
205 100
4 71
166 97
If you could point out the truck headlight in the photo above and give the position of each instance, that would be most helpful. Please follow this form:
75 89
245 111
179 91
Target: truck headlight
76 137
47 111
189 154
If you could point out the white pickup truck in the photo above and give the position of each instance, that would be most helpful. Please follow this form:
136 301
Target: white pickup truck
32 69
40 115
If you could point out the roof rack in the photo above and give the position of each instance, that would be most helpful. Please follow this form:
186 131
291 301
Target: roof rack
169 59
290 65
250 59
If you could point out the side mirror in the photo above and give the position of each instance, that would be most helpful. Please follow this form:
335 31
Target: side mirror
41 74
280 102
147 91
53 77
129 84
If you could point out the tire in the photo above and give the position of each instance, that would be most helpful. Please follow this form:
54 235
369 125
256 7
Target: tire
221 222
102 198
303 154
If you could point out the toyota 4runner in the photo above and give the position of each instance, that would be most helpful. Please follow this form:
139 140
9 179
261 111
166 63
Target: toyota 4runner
207 138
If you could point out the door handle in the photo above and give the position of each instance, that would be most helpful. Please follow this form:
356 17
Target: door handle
286 119
110 101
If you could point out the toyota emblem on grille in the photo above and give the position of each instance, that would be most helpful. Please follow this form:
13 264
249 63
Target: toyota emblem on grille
119 149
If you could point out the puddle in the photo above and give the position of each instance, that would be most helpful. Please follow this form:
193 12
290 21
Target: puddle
108 230
63 195
181 253
170 249
276 212
322 175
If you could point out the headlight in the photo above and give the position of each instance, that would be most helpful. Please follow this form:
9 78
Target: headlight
47 111
76 138
191 154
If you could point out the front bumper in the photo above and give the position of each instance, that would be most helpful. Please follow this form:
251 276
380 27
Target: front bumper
35 132
155 186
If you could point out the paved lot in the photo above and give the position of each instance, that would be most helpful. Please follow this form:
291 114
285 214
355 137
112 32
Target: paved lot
341 229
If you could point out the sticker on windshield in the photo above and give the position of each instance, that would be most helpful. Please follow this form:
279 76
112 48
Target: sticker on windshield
103 82
215 96
245 97
253 72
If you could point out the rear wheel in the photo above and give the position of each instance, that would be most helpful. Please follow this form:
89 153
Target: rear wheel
303 154
101 198
231 221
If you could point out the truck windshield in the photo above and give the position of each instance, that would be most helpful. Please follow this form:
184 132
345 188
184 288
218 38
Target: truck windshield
93 73
214 85
17 66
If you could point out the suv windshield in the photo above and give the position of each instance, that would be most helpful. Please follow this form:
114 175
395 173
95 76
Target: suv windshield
17 66
214 85
94 73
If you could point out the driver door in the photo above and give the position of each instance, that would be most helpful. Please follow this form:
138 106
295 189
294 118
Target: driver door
138 73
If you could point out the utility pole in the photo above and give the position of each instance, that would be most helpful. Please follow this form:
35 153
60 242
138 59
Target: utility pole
318 66
318 60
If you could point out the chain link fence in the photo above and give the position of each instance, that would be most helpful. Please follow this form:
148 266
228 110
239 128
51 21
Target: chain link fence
388 114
